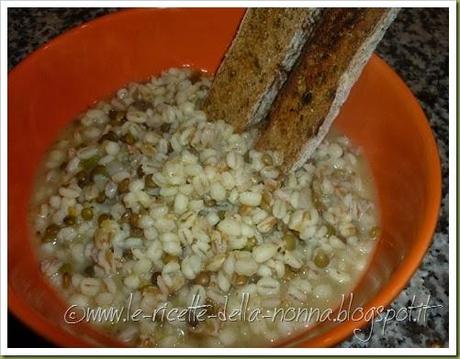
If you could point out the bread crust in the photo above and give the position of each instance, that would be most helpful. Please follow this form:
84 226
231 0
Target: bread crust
268 42
330 63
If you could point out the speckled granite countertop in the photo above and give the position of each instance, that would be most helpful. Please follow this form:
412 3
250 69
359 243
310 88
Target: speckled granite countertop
416 46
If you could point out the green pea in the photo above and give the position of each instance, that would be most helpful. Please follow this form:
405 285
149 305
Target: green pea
239 279
154 278
250 244
290 240
117 117
69 220
90 163
169 258
87 213
266 200
82 179
221 214
101 197
165 127
149 182
321 259
141 105
50 233
318 198
134 219
66 267
123 186
128 138
203 278
128 254
330 230
209 202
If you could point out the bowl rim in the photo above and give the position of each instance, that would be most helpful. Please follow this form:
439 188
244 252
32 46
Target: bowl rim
385 296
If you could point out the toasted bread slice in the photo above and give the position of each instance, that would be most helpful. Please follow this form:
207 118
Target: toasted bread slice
330 63
268 42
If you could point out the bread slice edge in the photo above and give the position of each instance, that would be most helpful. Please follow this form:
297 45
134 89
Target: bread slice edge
346 82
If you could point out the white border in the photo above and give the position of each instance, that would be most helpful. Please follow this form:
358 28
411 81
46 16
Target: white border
452 196
229 3
3 175
231 351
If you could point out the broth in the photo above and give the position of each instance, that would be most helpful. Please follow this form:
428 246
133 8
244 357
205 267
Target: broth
142 203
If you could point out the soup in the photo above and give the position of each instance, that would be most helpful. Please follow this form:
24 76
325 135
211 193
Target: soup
143 205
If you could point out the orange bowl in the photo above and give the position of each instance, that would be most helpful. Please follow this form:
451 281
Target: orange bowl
60 80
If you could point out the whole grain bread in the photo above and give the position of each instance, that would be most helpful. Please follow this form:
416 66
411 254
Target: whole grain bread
331 61
268 42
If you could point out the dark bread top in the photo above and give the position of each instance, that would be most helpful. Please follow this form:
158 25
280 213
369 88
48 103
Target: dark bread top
306 98
255 62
